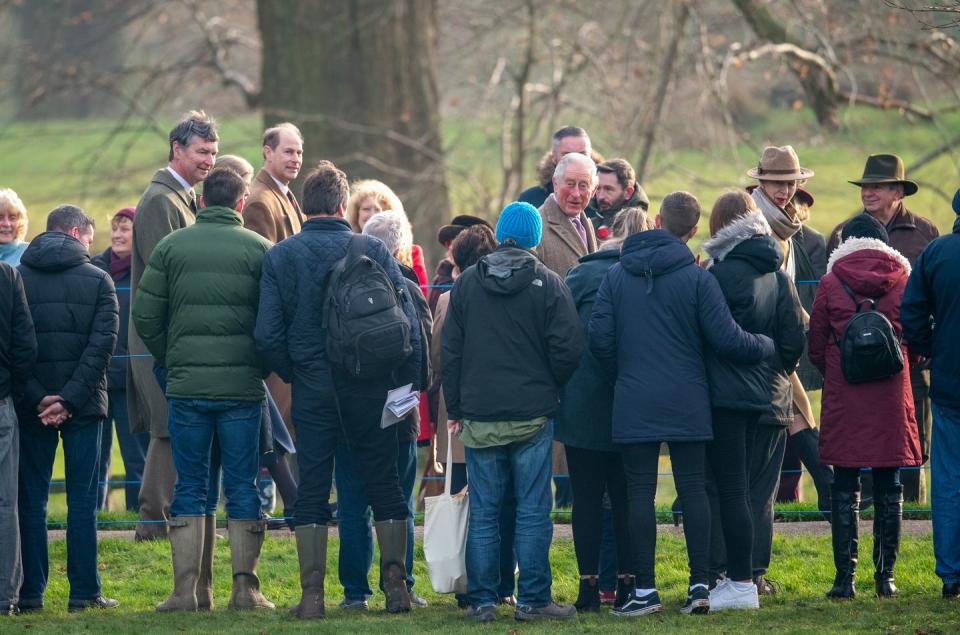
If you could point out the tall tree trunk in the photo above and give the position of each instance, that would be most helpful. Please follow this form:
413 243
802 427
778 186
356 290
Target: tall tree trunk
358 77
819 82
681 14
67 50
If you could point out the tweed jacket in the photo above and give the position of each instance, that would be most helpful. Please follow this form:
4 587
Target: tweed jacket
269 212
561 248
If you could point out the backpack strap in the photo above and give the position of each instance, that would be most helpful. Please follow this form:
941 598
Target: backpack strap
858 303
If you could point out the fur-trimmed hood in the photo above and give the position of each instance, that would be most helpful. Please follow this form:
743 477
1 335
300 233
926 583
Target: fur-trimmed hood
868 266
742 228
545 168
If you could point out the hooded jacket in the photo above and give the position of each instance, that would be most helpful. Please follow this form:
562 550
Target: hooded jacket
511 339
762 299
870 424
930 313
18 341
586 405
75 317
655 313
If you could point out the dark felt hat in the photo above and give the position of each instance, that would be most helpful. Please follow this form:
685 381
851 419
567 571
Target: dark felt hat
886 169
448 232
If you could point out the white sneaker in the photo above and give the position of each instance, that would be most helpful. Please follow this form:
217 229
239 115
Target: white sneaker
726 595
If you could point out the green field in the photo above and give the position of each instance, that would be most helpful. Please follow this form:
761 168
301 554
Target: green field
139 575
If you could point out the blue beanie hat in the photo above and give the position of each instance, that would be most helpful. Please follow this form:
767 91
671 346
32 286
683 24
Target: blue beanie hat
956 202
520 222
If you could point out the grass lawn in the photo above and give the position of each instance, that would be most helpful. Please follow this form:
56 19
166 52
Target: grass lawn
139 575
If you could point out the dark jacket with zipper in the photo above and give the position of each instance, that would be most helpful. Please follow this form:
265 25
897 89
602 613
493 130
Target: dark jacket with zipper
654 315
930 314
425 318
762 299
586 405
75 317
18 341
511 339
810 258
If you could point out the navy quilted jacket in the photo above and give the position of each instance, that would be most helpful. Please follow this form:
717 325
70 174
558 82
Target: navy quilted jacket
289 331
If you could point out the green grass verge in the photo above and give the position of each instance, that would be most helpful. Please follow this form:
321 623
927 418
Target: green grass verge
139 575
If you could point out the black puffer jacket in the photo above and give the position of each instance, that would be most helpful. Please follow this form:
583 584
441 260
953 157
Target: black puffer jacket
18 342
117 372
746 263
511 339
75 316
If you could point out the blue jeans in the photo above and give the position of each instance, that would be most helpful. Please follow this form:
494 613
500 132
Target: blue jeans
945 491
133 449
353 519
528 464
81 454
192 423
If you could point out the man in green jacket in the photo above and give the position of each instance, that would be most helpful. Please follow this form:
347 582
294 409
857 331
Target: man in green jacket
195 310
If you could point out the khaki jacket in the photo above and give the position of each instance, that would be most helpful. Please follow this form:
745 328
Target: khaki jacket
560 248
164 208
269 212
435 372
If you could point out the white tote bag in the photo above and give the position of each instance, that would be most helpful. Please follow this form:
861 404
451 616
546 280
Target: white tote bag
445 535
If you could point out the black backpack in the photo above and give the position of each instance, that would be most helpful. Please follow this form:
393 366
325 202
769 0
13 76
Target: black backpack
869 347
367 332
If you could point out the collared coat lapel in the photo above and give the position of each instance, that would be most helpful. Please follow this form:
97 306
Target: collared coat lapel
561 247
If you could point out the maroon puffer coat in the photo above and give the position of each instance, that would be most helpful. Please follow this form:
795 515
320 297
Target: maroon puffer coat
871 424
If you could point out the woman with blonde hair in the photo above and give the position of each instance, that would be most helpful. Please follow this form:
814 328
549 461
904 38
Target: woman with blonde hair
13 227
584 425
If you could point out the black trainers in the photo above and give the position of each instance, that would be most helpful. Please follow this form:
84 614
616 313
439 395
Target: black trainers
698 601
28 606
641 605
98 602
482 614
552 611
951 590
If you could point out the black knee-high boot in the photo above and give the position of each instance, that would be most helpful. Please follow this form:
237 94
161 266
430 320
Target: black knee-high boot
845 514
887 520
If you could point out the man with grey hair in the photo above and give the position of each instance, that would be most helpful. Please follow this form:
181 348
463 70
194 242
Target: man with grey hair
75 317
169 203
564 141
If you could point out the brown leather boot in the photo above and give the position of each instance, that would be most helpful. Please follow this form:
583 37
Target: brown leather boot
186 543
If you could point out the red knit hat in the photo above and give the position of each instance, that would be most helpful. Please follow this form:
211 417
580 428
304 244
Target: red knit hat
126 212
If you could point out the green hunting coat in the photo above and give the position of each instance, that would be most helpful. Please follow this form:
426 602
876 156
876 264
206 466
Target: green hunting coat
196 308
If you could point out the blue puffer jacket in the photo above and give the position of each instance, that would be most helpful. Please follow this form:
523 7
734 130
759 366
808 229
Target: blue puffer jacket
289 331
654 313
930 314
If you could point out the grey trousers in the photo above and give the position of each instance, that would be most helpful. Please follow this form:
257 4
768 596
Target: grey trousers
156 490
11 569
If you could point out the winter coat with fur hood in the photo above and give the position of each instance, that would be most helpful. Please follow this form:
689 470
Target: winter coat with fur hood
870 424
762 299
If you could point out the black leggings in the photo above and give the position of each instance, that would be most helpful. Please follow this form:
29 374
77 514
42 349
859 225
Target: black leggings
847 479
592 473
733 432
688 460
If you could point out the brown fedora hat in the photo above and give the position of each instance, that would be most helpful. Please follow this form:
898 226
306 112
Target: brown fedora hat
779 164
457 225
886 168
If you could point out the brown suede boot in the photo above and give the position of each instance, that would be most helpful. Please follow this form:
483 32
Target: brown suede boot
186 543
246 539
312 553
205 581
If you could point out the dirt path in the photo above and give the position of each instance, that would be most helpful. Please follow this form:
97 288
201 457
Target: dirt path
915 528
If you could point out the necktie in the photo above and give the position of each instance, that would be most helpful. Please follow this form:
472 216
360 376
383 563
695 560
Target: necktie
580 229
292 200
193 201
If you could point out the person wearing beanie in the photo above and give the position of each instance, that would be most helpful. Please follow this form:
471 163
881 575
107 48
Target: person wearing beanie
866 424
883 191
931 298
511 340
115 260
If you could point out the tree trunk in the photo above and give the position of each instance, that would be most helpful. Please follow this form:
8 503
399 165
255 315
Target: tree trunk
359 79
67 50
819 82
